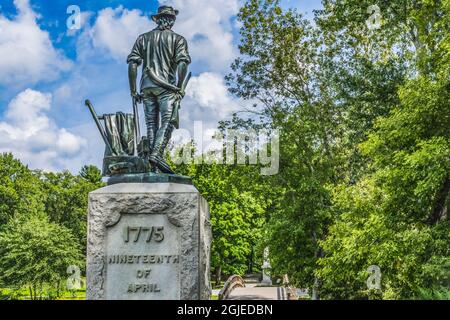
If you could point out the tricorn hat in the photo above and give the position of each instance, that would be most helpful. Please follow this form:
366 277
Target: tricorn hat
165 10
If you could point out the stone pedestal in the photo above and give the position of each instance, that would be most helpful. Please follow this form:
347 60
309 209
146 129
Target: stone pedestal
148 242
266 280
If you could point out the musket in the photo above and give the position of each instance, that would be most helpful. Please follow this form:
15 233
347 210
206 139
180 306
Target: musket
99 126
186 82
170 87
174 120
137 129
153 76
160 82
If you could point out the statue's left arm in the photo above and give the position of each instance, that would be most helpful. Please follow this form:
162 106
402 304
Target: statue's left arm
183 60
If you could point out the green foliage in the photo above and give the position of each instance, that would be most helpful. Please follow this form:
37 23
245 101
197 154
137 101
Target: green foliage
91 174
442 293
238 204
397 216
279 51
363 116
35 252
42 226
66 199
364 160
20 190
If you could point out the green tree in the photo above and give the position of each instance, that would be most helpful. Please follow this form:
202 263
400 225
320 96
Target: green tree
67 199
396 216
35 253
278 67
20 189
325 87
92 174
238 207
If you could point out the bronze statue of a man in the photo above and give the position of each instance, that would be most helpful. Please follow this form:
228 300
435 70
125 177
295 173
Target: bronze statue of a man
165 58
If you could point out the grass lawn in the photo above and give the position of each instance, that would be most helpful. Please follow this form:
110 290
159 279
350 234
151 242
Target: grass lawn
24 294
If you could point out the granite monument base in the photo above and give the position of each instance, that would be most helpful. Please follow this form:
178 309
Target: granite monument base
149 178
148 241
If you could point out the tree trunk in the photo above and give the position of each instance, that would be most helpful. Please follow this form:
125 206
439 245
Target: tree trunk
315 291
440 210
250 262
40 291
31 292
218 275
58 287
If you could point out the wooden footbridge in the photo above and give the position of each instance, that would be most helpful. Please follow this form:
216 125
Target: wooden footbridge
236 288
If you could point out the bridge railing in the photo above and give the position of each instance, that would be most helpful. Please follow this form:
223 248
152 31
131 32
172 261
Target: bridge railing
291 291
232 283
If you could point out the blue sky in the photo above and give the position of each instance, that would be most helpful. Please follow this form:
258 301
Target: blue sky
47 71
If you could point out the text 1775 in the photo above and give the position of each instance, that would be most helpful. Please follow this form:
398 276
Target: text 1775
136 234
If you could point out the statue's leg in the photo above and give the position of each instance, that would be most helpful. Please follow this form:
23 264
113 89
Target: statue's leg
166 100
151 109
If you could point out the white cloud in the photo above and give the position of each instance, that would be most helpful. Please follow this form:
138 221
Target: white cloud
31 135
207 101
207 25
26 51
116 30
210 92
26 127
208 28
36 139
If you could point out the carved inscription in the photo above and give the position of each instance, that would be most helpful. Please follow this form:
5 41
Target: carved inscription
143 260
148 233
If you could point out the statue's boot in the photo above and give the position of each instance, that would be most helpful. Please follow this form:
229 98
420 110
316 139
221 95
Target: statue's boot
161 164
156 158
